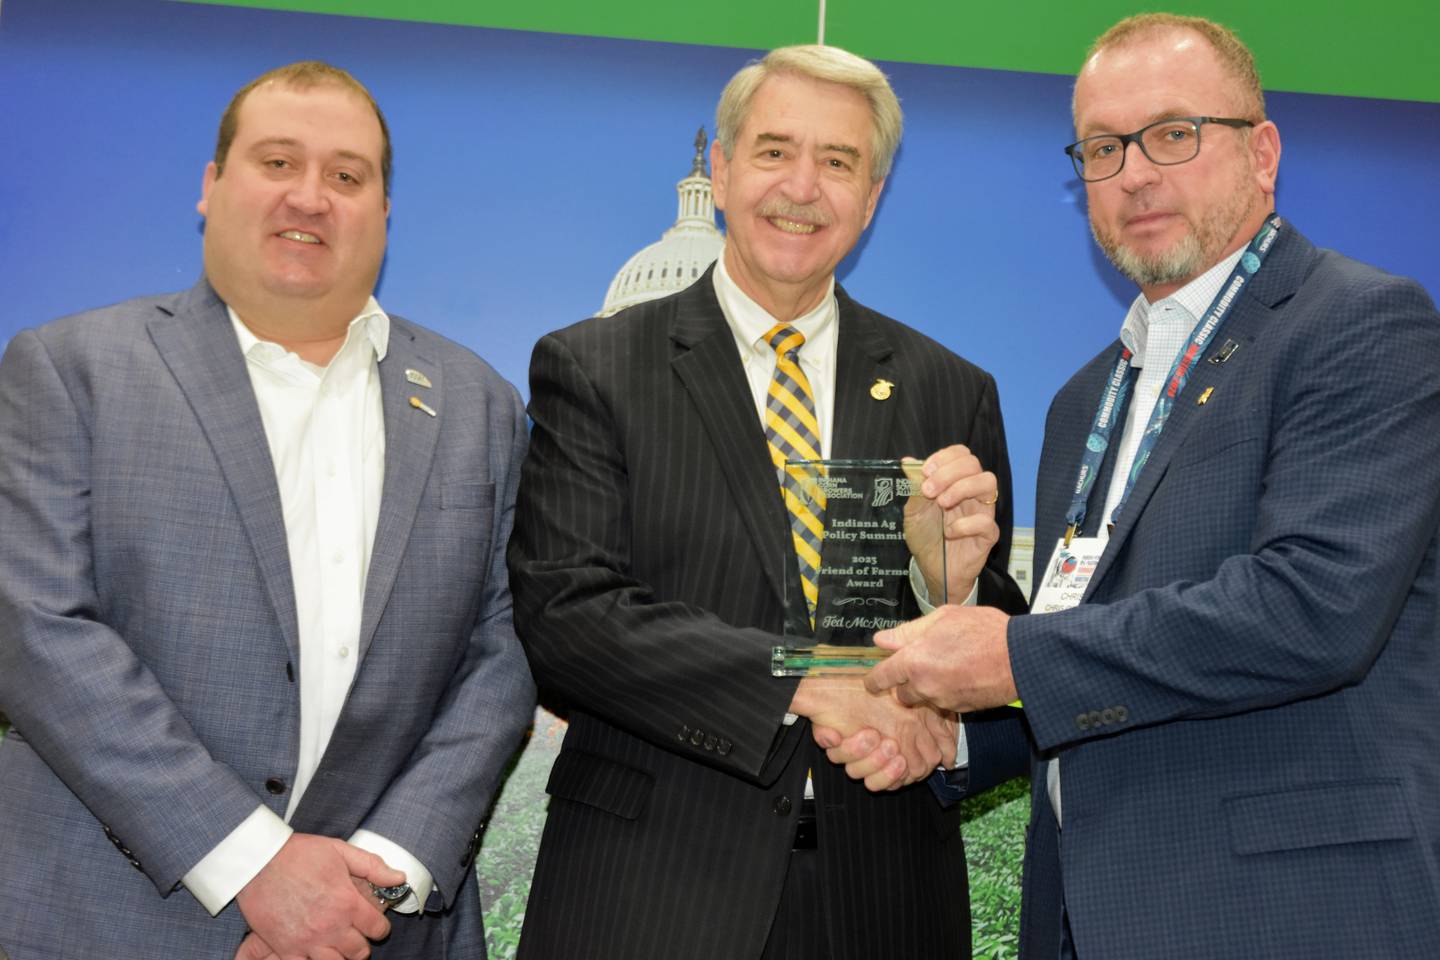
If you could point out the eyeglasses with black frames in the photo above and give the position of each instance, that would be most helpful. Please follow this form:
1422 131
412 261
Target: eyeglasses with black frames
1164 142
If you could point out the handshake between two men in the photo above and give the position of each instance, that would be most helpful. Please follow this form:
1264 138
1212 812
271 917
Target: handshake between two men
898 723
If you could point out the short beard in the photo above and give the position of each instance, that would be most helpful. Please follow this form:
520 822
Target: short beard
1198 250
1184 260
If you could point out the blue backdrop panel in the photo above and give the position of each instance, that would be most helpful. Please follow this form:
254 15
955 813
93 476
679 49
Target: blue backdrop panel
529 167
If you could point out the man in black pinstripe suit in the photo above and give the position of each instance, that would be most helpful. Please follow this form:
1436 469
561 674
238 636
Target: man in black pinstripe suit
651 556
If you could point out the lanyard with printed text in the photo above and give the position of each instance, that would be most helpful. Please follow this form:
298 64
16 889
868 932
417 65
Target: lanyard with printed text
1112 403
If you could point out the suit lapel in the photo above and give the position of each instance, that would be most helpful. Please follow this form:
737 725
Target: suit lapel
863 423
708 366
410 438
1276 282
197 343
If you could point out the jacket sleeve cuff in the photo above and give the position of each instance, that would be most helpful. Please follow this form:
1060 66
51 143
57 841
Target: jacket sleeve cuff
922 591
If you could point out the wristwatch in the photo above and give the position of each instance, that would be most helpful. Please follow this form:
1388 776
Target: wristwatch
389 896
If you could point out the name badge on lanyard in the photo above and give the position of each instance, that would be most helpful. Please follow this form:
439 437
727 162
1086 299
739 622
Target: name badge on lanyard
1064 579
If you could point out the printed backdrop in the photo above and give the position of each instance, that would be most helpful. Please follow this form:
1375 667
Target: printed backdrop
530 165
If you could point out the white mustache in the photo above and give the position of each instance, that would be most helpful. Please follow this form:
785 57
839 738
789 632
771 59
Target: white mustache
801 213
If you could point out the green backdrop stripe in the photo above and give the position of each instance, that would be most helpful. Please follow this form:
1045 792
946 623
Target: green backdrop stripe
754 24
1375 49
1383 48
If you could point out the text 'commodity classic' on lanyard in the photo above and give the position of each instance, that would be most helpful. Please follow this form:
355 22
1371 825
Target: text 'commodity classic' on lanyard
1122 376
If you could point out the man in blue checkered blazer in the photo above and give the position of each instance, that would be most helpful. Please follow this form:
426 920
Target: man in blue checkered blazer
1236 717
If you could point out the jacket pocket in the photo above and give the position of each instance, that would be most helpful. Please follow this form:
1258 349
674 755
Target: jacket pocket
601 783
1214 440
1360 811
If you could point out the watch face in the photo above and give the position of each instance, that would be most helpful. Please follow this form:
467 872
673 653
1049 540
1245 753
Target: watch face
391 894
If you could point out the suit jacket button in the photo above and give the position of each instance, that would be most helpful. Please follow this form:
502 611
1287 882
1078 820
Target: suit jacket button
782 805
1122 714
697 737
710 742
1107 716
723 747
275 785
684 733
1082 720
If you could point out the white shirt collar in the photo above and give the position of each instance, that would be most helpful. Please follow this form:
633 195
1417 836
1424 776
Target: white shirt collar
749 321
1194 298
372 321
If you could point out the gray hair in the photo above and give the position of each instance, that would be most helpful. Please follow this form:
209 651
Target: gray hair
827 64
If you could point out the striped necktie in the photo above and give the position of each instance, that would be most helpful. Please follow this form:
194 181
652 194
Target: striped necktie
793 433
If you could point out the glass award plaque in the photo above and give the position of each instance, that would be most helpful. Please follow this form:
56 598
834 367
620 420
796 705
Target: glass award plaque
864 573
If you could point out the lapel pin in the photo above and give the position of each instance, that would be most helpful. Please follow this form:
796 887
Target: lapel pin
1204 396
417 378
419 404
1225 352
880 390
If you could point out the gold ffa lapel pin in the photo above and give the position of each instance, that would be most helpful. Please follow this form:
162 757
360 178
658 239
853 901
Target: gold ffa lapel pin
422 406
880 390
417 378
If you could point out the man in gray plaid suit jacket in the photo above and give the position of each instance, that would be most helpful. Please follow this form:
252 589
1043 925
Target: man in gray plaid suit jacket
255 630
1235 691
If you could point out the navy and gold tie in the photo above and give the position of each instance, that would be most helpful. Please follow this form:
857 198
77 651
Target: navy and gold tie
793 433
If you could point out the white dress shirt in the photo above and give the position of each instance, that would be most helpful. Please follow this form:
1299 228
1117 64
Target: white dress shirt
1155 333
749 322
326 433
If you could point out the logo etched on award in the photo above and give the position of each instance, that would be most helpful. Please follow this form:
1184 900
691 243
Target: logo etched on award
864 573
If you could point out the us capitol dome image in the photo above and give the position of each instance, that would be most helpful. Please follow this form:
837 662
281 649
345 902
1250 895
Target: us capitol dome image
682 253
